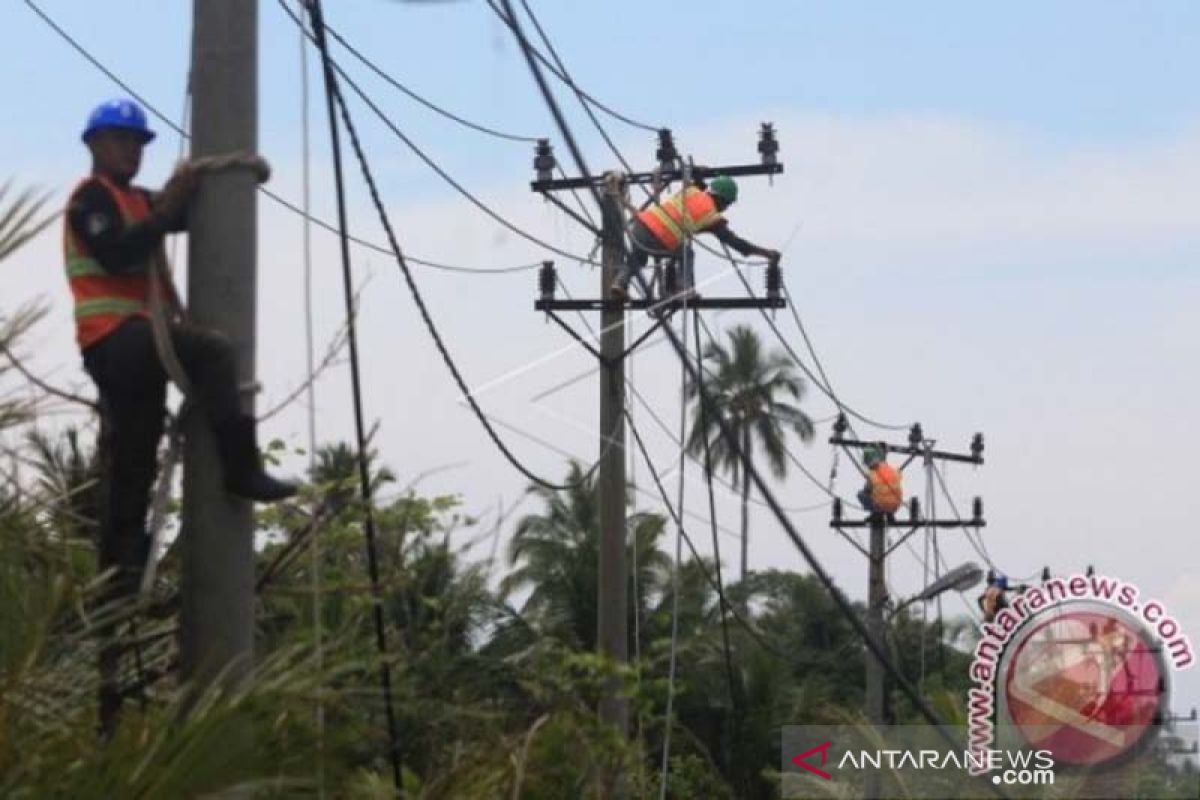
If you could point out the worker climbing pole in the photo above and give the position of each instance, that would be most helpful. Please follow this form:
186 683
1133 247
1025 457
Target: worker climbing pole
663 230
116 268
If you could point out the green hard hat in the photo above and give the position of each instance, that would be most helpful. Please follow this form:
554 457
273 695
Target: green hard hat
723 187
873 455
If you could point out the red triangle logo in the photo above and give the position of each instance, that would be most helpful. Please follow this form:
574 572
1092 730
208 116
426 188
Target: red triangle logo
801 760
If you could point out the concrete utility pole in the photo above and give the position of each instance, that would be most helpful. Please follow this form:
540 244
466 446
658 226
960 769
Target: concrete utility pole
876 599
612 622
217 614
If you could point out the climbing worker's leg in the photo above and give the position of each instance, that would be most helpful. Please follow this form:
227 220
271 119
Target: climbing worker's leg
132 388
864 499
209 361
634 264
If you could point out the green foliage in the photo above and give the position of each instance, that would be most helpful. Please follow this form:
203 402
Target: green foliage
491 700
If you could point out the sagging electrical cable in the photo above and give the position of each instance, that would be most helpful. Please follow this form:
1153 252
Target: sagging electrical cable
441 172
434 107
364 479
418 299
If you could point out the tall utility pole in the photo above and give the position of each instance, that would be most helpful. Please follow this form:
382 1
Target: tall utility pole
613 617
878 550
217 614
876 599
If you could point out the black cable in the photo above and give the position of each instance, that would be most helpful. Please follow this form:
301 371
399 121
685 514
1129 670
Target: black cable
565 78
364 478
433 165
583 101
821 369
512 137
398 254
978 547
677 519
878 649
734 694
823 383
290 206
378 248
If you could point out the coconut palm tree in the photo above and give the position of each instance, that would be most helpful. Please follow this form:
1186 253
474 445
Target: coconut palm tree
751 391
555 554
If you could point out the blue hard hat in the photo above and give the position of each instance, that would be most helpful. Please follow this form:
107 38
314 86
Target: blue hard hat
121 113
1001 581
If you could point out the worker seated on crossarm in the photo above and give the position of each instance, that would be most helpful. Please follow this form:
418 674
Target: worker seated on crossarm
113 240
883 492
662 228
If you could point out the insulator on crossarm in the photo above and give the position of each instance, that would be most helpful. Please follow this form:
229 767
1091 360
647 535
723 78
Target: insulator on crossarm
547 280
837 509
1090 570
543 160
977 509
977 447
768 145
774 281
1045 574
840 425
666 153
916 435
914 509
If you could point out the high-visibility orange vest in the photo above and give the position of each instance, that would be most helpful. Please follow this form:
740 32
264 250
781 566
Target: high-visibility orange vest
692 210
104 300
887 494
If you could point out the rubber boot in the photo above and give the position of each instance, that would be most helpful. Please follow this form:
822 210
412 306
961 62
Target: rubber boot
237 443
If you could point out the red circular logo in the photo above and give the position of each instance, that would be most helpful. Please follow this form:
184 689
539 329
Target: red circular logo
1084 683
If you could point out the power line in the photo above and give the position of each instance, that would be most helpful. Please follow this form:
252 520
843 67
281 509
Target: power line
437 168
431 327
364 478
371 65
565 78
290 206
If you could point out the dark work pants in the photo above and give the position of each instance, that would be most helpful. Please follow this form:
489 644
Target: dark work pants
133 393
643 245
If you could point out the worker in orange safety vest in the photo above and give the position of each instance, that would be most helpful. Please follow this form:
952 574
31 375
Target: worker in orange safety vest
662 229
884 491
112 241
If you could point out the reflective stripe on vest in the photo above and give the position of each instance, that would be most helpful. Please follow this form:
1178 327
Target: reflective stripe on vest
691 211
104 300
886 492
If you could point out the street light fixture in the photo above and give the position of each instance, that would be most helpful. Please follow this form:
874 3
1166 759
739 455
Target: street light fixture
961 578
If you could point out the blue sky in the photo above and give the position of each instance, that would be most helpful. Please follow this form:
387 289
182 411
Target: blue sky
998 210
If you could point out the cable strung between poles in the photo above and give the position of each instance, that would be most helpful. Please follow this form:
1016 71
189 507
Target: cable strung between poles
401 260
364 478
433 165
369 64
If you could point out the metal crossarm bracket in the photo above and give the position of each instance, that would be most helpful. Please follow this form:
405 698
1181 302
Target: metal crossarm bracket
643 303
669 175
